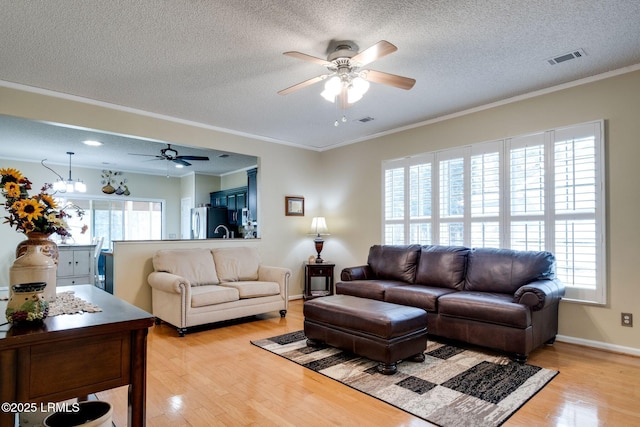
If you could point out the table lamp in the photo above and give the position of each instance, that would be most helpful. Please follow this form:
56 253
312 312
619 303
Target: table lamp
319 228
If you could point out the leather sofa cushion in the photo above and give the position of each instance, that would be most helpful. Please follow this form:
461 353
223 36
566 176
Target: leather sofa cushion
202 296
506 270
373 289
397 262
234 264
442 266
253 289
485 307
424 297
195 265
378 318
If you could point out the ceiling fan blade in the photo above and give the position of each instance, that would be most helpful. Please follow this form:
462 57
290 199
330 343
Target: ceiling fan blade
303 84
309 58
147 155
390 79
192 158
181 162
377 51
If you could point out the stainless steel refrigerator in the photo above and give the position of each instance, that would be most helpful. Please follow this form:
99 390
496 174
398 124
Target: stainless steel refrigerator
205 220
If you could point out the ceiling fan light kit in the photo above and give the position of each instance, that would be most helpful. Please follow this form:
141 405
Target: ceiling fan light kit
347 82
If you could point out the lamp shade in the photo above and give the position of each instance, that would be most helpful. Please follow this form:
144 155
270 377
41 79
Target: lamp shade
319 226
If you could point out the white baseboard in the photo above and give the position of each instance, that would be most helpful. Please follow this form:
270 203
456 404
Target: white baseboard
599 345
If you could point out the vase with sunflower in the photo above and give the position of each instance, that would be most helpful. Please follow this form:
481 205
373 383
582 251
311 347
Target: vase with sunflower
37 216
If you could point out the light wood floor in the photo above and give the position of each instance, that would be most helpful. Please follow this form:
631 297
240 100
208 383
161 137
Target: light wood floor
215 377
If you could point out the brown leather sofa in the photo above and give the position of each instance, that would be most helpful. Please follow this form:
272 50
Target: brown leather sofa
502 299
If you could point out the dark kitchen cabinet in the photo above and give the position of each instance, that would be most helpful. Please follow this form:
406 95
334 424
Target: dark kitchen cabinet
252 193
237 199
234 199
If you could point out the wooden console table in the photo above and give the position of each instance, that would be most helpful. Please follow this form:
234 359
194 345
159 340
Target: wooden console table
74 355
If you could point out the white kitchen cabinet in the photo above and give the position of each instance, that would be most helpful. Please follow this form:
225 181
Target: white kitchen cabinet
76 265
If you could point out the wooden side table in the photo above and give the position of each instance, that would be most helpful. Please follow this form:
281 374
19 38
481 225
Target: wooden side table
74 355
319 270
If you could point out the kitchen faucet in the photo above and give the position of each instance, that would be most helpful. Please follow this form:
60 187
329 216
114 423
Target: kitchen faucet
226 230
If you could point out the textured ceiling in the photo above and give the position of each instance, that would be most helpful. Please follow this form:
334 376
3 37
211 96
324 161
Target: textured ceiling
220 63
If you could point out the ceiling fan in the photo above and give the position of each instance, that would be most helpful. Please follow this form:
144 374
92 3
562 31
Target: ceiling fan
172 155
346 80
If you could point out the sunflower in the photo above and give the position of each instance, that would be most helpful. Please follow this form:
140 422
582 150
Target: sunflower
28 209
11 175
26 213
12 189
48 200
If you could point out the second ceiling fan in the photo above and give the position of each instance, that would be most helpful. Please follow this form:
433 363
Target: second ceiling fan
347 81
171 155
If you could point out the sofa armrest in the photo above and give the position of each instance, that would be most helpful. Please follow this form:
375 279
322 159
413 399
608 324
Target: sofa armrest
279 275
361 272
539 294
168 282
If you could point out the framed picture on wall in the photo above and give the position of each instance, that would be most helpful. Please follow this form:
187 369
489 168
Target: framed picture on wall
294 206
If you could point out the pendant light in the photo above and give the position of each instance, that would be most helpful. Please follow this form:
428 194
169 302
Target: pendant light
70 186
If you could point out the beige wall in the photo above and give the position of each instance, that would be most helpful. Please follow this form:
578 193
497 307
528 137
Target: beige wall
141 187
344 184
283 170
233 180
204 185
353 175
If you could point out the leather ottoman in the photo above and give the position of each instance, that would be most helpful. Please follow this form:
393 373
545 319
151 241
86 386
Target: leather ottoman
378 330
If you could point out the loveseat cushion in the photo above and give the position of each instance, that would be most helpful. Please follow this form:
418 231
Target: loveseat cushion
485 307
506 270
234 264
202 296
253 289
394 262
442 266
195 265
424 297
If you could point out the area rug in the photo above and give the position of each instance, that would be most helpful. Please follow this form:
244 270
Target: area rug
454 386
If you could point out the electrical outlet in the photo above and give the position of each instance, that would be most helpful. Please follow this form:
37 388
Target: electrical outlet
627 319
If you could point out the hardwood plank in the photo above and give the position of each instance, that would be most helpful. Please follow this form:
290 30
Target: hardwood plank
215 377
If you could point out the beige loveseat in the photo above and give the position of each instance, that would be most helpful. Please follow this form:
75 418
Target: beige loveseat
192 287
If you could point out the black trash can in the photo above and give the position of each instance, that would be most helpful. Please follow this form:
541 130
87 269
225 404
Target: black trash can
92 413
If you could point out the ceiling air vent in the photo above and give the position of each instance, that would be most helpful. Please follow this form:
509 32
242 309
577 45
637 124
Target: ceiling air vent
365 119
567 56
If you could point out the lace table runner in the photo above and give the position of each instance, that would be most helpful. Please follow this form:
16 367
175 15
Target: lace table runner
67 303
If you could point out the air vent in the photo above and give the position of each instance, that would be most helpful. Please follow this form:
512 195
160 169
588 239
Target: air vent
223 156
365 119
567 57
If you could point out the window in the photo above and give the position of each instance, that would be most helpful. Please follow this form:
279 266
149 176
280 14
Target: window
543 191
116 220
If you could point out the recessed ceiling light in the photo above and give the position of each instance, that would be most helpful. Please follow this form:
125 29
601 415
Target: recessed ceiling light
179 166
92 143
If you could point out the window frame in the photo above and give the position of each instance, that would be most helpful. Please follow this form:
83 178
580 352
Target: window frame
108 242
550 139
